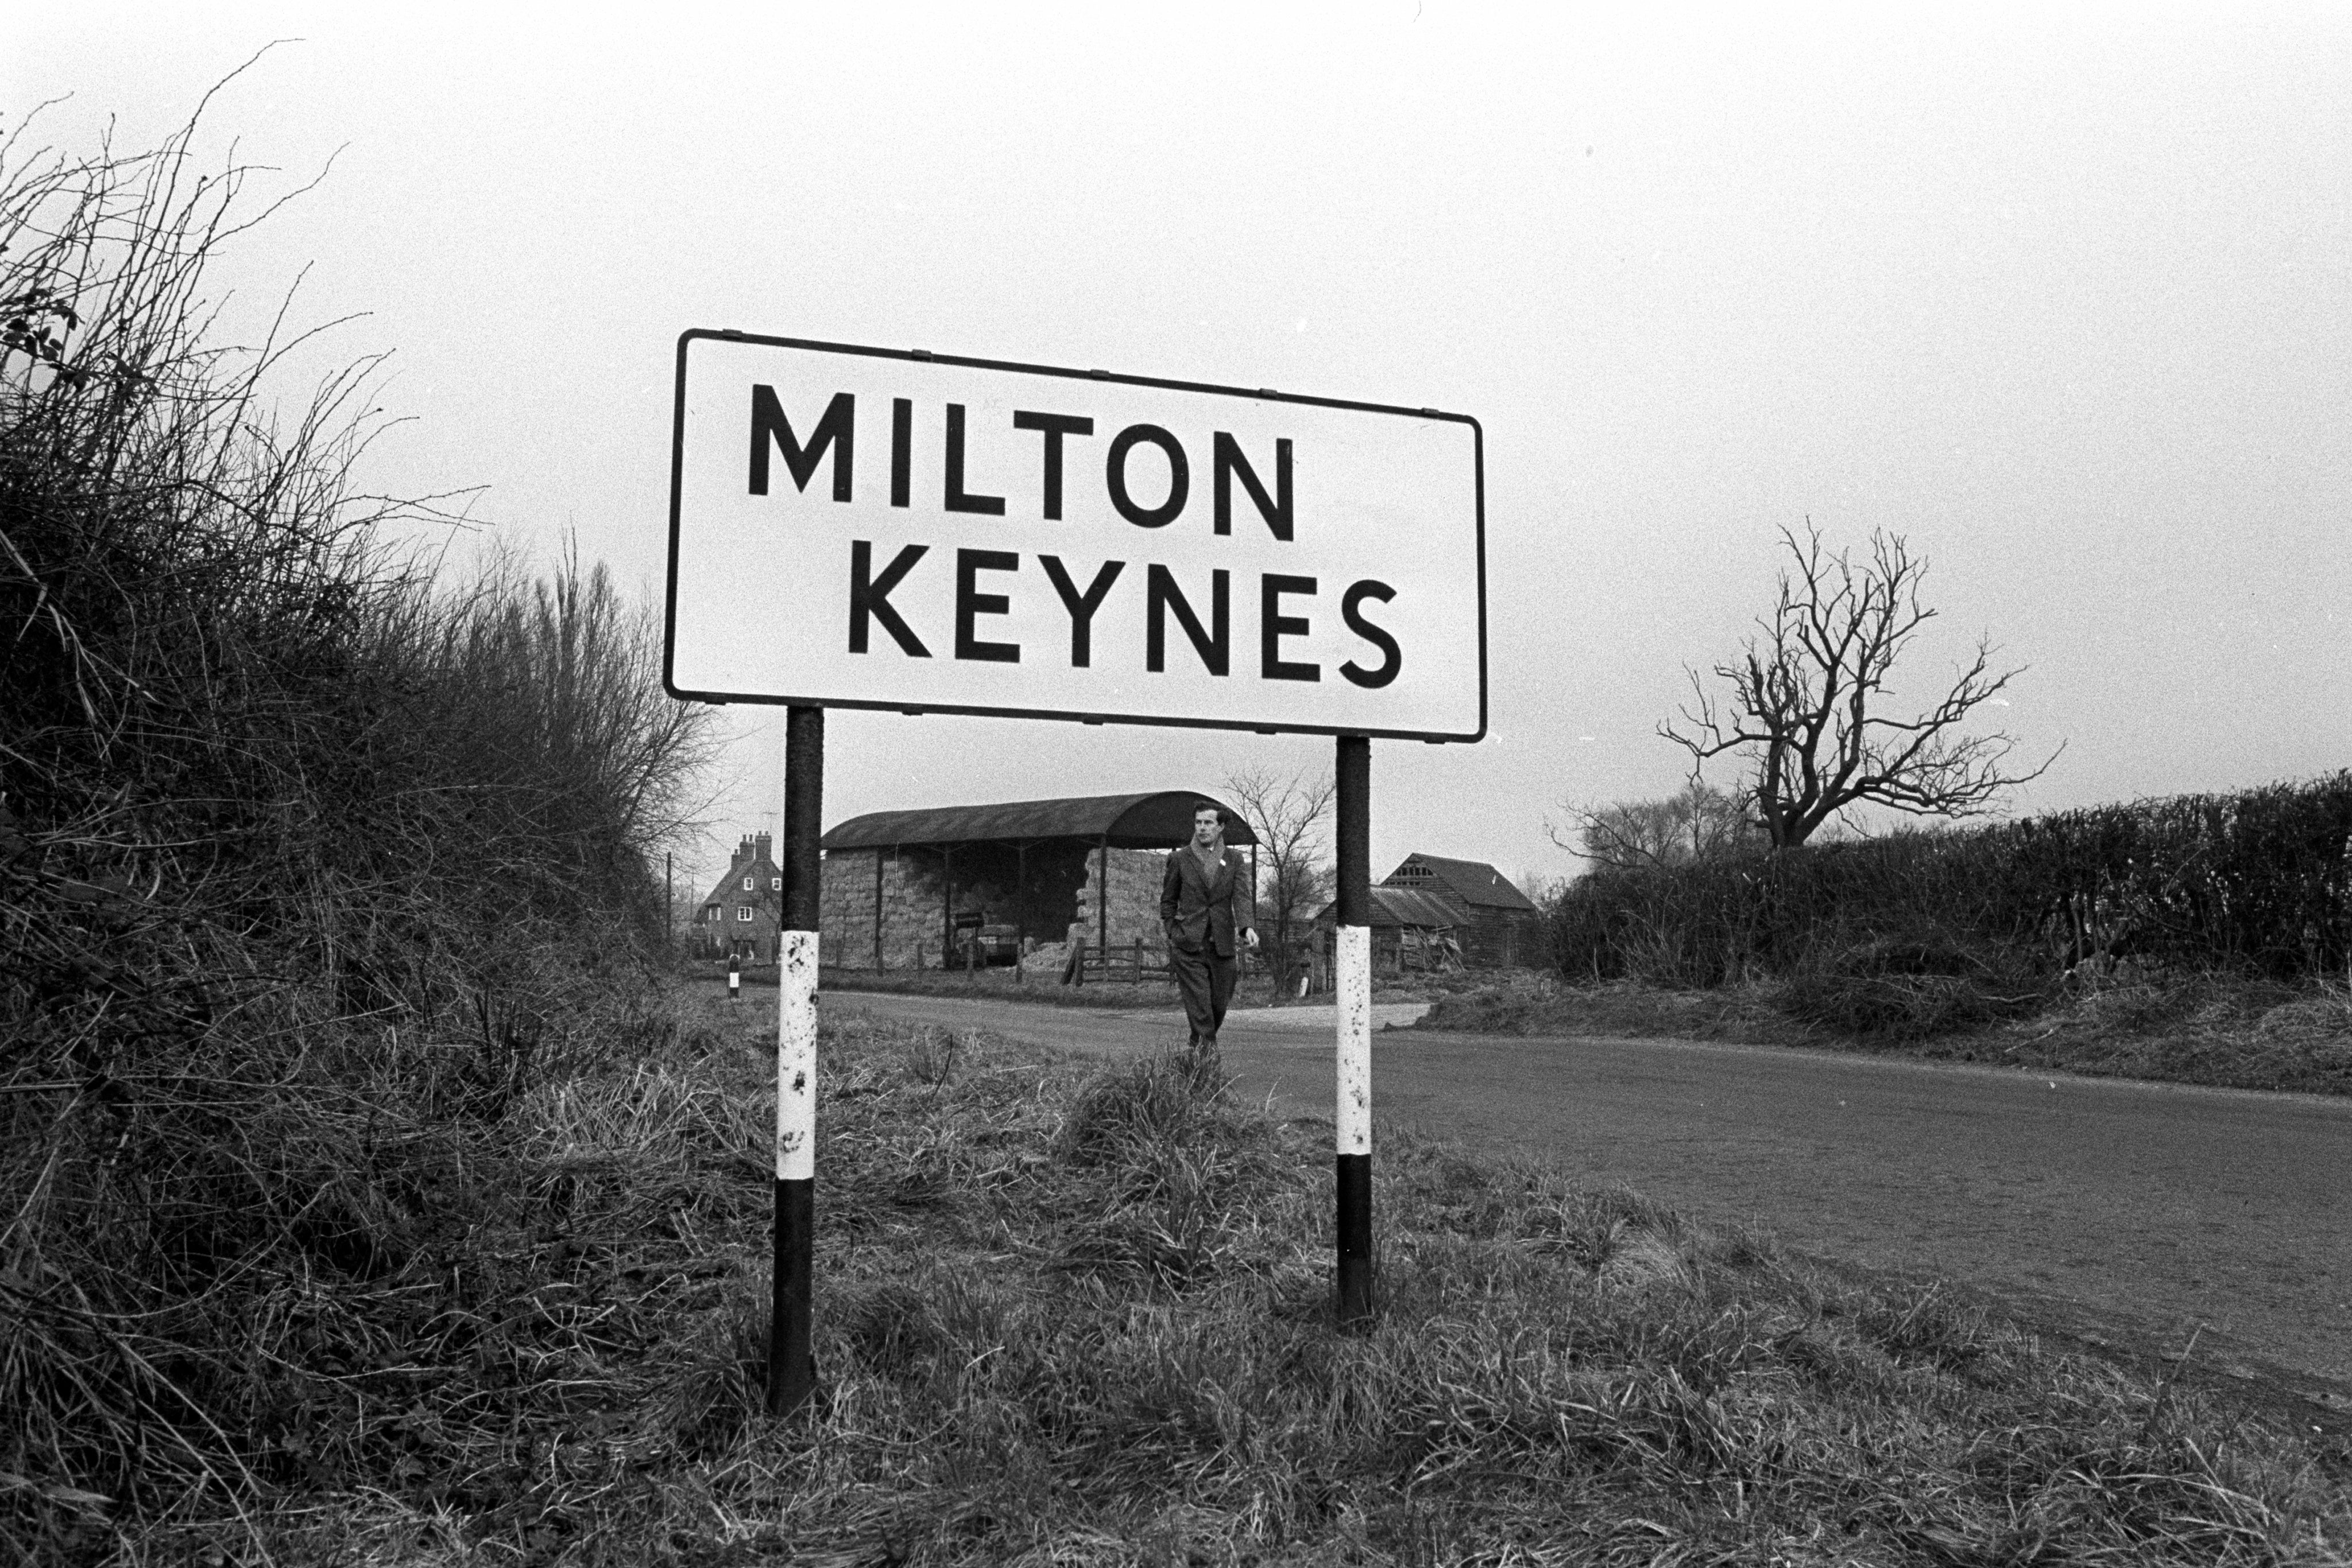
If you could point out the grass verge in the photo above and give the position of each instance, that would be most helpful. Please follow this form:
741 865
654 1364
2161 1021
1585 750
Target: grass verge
2225 1032
1072 1313
1255 990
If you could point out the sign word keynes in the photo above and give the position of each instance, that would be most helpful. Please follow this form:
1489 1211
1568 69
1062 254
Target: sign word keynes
858 527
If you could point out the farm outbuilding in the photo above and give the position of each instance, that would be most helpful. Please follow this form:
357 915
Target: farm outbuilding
1496 924
1492 923
901 885
1410 931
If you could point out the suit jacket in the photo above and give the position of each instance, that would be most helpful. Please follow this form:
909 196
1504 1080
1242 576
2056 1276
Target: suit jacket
1201 910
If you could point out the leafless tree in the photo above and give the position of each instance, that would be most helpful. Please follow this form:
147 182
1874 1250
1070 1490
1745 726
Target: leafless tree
1287 815
1694 823
1807 695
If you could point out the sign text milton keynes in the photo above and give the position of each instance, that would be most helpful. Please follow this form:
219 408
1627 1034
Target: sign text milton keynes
863 527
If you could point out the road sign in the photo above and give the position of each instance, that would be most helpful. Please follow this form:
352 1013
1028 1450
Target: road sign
868 527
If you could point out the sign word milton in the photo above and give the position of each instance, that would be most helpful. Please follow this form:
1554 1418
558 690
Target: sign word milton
862 528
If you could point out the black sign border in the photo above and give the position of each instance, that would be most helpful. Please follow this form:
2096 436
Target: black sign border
923 356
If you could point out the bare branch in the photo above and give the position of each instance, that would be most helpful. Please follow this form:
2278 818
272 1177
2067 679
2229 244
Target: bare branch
1696 823
1288 816
1804 698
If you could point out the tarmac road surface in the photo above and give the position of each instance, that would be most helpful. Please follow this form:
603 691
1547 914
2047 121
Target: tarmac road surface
2112 1210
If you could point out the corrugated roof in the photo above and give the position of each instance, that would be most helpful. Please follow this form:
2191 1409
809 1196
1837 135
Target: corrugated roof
1474 881
1406 907
1402 906
1158 820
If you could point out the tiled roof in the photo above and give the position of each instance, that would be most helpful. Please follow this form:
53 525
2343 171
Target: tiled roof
1402 907
730 889
1475 883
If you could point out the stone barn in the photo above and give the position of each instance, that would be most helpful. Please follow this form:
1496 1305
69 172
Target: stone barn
898 885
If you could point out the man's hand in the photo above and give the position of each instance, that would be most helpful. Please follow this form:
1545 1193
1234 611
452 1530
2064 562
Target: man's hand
1249 934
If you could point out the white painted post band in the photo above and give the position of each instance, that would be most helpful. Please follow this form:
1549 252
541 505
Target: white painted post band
796 958
1352 1123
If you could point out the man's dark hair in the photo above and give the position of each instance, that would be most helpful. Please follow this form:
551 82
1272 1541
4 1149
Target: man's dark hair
1200 806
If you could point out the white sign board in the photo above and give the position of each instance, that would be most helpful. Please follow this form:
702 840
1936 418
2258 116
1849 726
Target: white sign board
866 528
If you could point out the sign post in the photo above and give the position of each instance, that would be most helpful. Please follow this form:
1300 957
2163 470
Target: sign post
899 530
792 1368
1352 1122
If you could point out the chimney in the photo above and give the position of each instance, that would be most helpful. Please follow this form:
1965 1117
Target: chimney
767 846
744 851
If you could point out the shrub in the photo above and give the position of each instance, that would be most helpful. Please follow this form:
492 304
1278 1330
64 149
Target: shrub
1904 989
309 870
2259 883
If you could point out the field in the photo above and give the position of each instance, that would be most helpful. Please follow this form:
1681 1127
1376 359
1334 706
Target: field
1078 1313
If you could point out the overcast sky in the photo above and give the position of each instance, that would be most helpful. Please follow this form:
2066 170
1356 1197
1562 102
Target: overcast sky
2063 295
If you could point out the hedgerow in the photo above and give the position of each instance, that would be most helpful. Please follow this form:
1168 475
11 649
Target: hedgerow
308 864
2258 883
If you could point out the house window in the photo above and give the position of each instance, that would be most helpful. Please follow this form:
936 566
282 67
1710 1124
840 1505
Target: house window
742 912
776 884
748 884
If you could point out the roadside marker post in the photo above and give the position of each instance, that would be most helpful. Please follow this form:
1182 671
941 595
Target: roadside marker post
939 534
1352 1122
792 1368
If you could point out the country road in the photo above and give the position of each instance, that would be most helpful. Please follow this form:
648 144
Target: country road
2117 1211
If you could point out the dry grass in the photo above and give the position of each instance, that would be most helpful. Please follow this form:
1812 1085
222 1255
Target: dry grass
1531 1003
1002 984
2240 1034
314 875
2230 1032
1071 1313
1252 990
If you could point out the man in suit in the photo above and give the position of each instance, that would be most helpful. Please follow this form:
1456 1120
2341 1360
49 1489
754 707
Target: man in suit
1206 904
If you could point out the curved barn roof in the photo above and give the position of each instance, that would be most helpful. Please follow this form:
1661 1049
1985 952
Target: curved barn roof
1158 820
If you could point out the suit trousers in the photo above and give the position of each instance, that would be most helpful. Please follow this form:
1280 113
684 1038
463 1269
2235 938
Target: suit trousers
1206 984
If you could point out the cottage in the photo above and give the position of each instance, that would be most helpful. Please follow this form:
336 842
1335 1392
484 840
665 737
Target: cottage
741 917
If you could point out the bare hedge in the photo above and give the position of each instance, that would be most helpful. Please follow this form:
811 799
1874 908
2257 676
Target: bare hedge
2258 882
